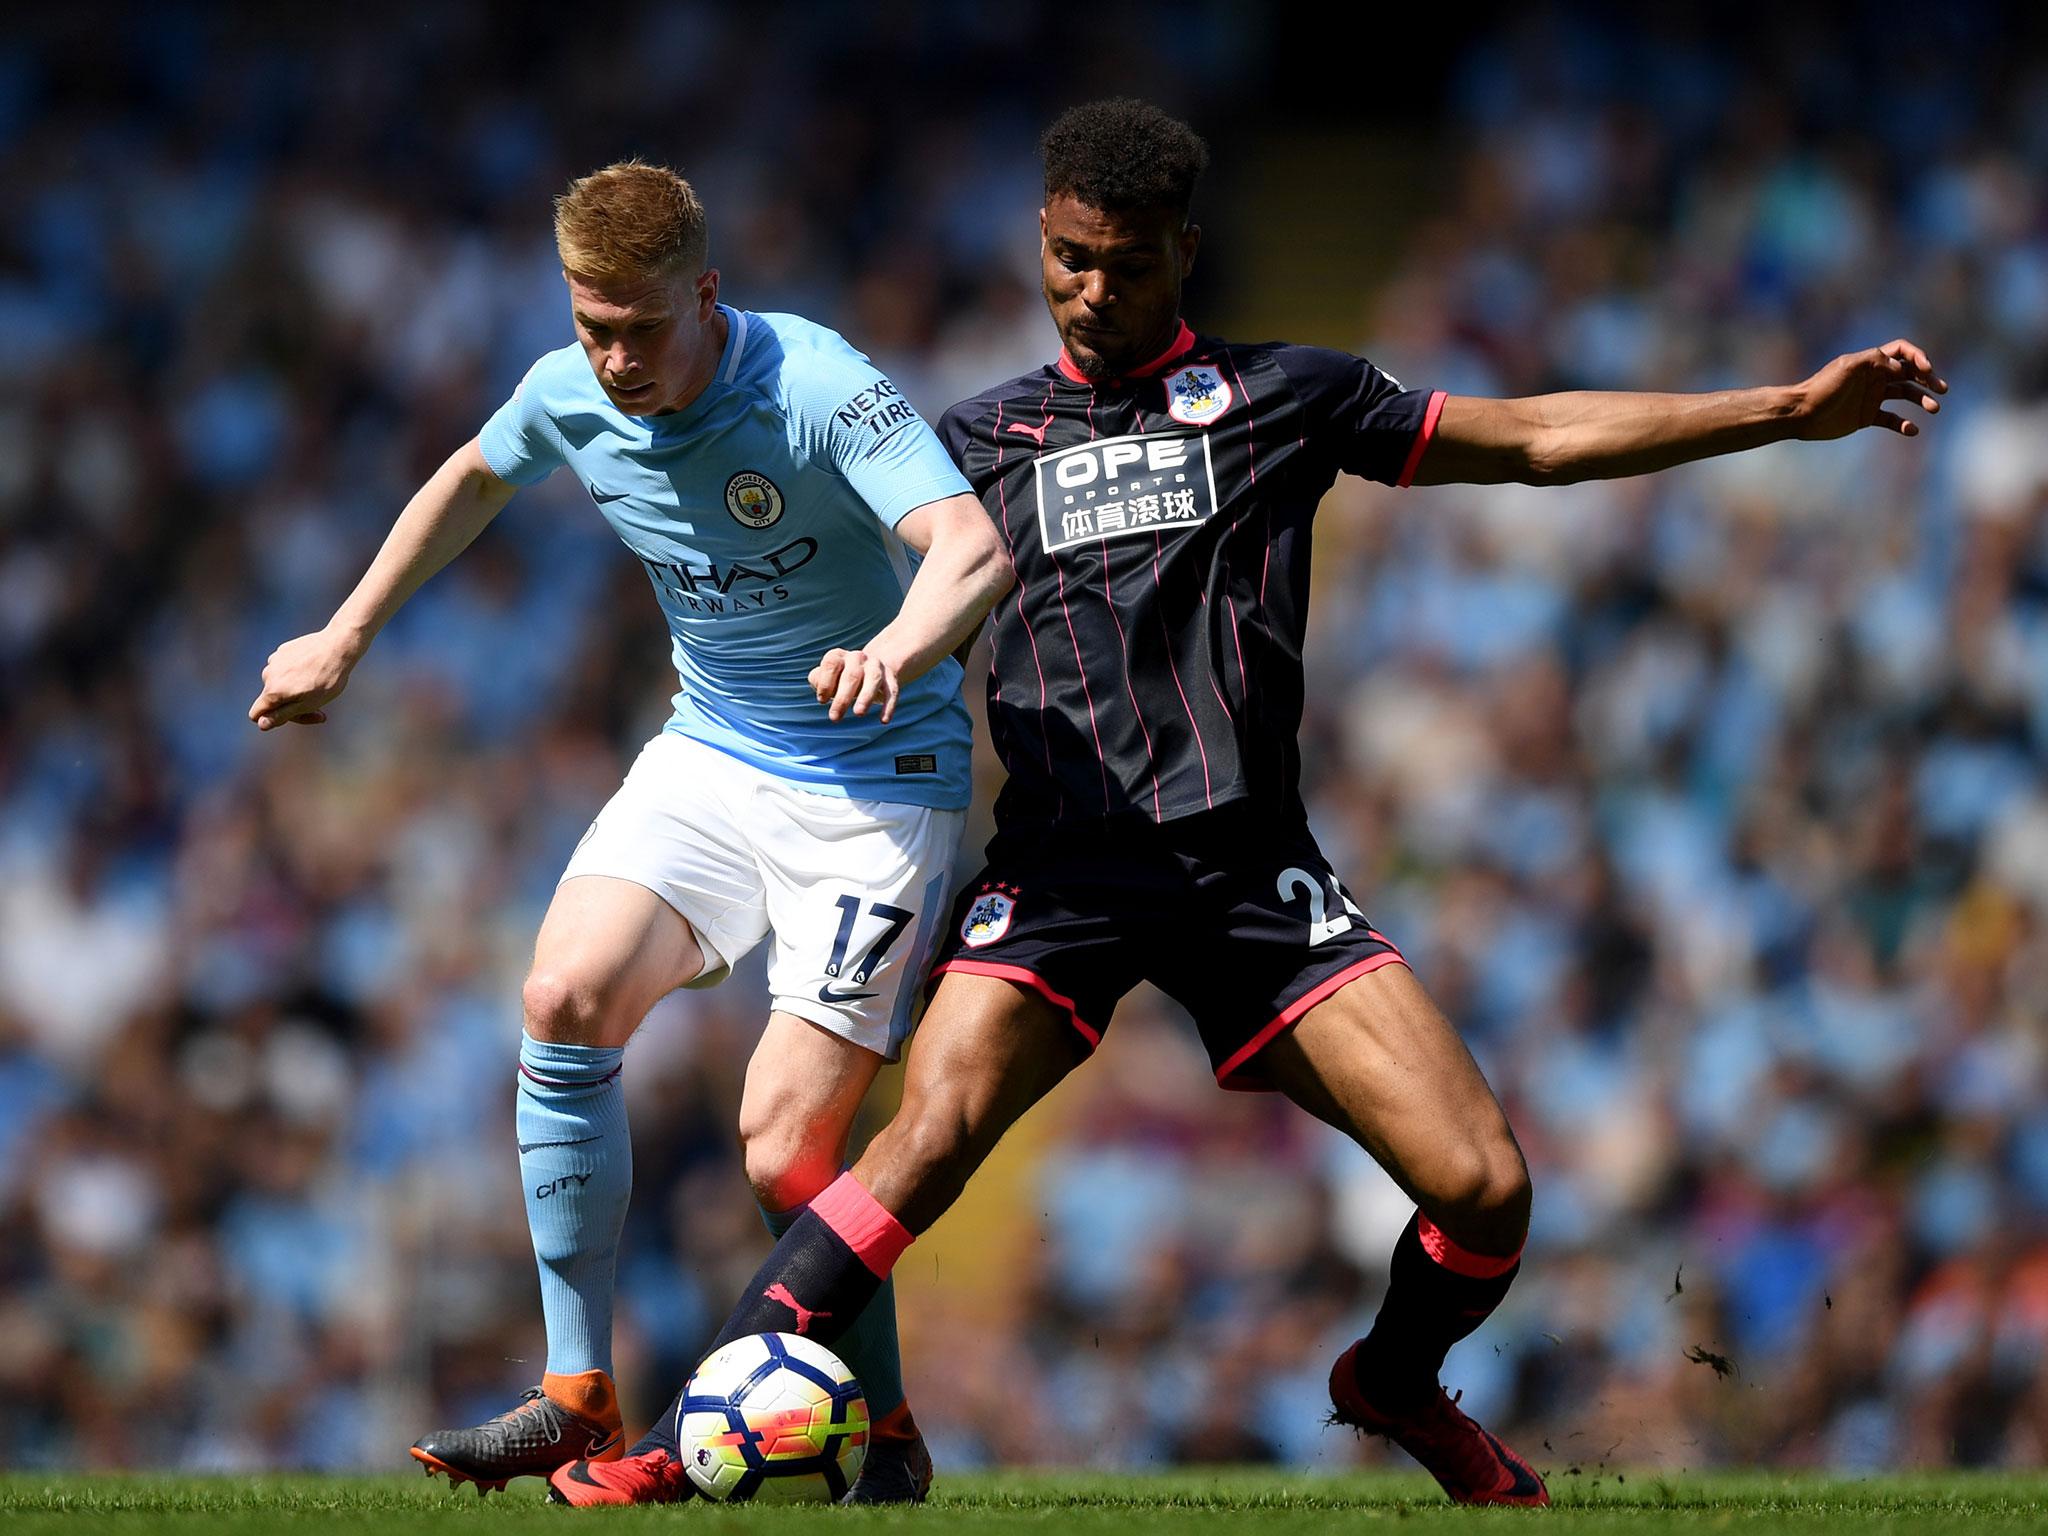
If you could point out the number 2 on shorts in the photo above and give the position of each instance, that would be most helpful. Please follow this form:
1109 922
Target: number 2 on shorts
849 909
1322 926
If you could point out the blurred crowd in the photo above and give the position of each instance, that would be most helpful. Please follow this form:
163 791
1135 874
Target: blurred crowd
1710 806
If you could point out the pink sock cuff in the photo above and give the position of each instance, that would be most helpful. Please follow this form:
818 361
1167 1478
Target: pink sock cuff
1459 1261
876 1238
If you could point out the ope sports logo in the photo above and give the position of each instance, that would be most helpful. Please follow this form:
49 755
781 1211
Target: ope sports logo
1124 485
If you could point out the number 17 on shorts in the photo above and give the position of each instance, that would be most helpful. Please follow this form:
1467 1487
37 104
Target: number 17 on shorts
854 924
893 919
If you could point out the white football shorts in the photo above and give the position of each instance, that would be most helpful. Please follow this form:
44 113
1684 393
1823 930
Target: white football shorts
854 891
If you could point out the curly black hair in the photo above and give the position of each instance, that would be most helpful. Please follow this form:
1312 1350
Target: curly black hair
1123 154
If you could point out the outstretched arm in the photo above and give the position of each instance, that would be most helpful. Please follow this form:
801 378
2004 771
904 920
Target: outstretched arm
1588 435
963 573
305 675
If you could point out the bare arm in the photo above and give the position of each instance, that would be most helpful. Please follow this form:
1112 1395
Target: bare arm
305 675
1587 435
963 573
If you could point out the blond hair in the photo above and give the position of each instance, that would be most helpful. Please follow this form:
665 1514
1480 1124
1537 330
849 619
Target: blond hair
628 222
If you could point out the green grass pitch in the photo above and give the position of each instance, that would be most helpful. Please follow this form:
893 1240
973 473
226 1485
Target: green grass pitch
1641 1504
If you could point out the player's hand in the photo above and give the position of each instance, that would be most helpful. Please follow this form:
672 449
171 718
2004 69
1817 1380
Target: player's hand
854 680
301 679
1852 391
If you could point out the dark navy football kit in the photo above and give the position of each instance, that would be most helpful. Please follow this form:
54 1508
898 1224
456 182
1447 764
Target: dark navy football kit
1146 687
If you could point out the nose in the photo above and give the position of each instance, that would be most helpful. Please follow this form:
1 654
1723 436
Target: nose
1095 290
618 361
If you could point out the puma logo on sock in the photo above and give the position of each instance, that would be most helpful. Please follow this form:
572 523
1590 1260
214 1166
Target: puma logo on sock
804 1315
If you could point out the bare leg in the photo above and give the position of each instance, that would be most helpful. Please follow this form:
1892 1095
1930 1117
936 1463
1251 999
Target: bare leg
608 951
804 1087
1380 1063
987 1051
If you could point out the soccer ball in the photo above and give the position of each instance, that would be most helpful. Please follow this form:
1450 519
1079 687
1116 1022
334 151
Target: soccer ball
773 1417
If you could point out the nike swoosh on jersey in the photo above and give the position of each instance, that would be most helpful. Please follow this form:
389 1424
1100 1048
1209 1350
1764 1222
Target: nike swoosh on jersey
535 1146
601 497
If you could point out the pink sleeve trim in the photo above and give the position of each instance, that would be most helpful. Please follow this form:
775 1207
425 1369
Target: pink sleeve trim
1422 439
863 1224
1461 1261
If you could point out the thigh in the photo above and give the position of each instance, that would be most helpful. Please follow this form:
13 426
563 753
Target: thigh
1378 1060
1262 932
615 948
855 894
987 1051
1059 918
804 1086
675 828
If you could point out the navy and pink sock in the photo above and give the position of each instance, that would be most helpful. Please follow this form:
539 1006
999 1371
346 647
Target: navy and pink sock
869 1347
822 1276
1437 1293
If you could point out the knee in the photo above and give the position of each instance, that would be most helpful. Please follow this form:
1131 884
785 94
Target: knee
1485 1197
564 1009
788 1161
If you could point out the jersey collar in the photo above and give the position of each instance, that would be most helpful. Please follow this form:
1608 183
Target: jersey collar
1183 343
728 366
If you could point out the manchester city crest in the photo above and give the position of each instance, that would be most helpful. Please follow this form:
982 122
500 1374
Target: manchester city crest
988 919
1196 395
753 499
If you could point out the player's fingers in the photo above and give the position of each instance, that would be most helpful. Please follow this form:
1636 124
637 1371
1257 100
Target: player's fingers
825 675
1902 348
850 679
1914 392
1898 424
312 717
893 692
872 685
1922 365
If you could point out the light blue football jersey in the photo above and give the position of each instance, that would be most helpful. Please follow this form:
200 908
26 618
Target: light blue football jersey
763 513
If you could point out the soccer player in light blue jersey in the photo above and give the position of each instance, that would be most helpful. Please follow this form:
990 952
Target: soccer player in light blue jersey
819 559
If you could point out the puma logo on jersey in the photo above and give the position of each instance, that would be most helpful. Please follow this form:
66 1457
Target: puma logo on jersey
1036 434
804 1315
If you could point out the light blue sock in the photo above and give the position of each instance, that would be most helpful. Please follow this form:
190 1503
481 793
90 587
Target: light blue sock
576 1162
869 1347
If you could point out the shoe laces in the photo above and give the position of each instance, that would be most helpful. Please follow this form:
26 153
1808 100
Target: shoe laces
533 1401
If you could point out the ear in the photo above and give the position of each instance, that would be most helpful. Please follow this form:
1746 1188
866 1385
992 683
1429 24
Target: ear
1190 242
1041 229
707 296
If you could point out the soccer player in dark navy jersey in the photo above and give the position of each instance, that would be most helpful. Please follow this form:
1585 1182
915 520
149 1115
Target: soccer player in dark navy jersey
1156 490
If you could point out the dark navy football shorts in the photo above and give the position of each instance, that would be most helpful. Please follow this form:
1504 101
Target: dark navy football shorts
1234 914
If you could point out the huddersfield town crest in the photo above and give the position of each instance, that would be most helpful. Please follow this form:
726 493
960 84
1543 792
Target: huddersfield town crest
753 499
1196 395
988 919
